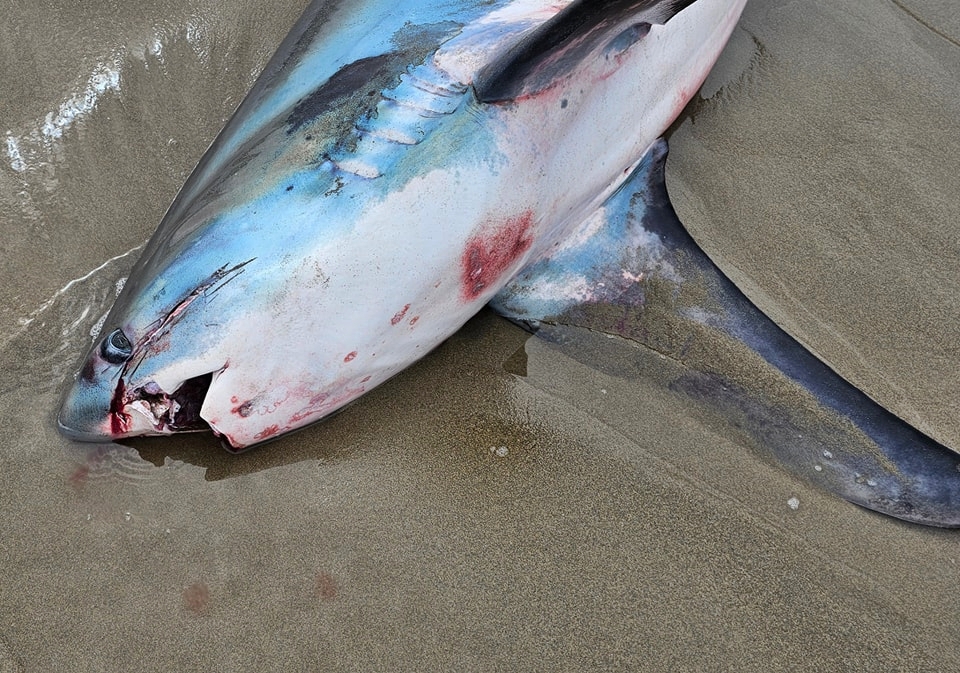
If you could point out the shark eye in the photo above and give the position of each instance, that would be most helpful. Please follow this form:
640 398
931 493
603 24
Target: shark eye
116 348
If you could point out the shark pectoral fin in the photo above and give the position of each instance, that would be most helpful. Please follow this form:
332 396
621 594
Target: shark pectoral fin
603 262
632 271
552 51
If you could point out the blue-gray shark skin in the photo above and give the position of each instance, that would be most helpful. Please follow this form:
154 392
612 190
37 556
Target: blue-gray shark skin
399 165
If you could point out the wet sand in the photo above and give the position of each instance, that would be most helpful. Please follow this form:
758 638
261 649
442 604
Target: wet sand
623 529
824 180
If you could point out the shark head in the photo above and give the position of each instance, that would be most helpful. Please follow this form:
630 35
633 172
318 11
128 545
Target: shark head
233 326
151 368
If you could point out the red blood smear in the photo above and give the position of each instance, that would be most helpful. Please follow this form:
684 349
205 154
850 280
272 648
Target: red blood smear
326 586
399 315
267 432
327 401
119 421
79 477
680 102
489 254
316 403
686 93
350 356
196 598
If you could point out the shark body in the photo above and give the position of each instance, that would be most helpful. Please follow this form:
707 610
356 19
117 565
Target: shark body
397 166
342 227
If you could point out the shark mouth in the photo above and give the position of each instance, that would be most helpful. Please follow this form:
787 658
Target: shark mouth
178 411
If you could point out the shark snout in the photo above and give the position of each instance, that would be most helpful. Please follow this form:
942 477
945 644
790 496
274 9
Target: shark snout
85 412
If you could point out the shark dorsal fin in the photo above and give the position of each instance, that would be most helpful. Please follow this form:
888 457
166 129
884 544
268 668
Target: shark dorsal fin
556 48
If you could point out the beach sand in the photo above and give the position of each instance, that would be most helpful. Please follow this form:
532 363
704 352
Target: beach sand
506 504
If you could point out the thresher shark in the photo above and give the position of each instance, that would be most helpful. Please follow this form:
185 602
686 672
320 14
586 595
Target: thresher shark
402 163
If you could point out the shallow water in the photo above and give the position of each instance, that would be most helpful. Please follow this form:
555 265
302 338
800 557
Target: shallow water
506 504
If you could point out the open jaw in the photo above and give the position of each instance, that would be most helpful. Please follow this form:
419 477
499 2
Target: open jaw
149 410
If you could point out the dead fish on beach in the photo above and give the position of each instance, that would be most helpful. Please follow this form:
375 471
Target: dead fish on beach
398 166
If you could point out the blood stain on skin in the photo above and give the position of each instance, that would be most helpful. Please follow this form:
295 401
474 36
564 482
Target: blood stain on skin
398 316
119 420
349 356
680 101
244 409
325 402
687 92
269 431
489 254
